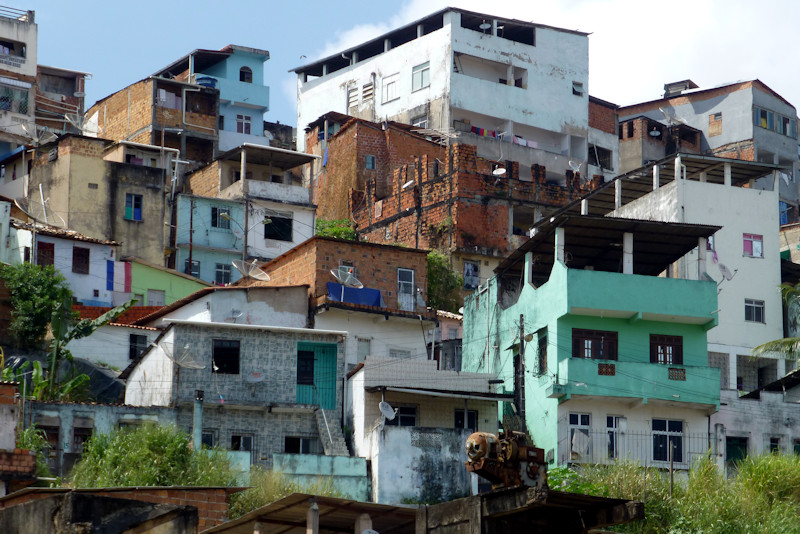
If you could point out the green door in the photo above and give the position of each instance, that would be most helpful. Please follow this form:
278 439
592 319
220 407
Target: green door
316 374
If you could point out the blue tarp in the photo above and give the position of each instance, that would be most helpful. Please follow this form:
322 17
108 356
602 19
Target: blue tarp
365 296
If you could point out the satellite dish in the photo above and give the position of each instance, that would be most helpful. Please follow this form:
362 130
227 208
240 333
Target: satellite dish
83 125
237 233
346 277
184 357
726 272
235 314
499 171
40 212
250 270
369 531
39 137
575 165
387 410
484 25
672 119
254 377
420 299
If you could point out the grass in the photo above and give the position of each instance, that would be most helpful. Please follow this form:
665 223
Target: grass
270 486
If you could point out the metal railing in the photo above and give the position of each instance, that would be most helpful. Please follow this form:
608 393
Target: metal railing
17 14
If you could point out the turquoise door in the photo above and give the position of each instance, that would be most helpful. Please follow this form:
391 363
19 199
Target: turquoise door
316 374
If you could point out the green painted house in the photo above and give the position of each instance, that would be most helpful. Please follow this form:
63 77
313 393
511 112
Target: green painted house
606 354
153 285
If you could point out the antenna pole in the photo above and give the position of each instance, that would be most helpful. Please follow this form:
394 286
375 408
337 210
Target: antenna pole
191 233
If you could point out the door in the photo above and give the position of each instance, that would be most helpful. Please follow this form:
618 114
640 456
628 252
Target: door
316 374
405 289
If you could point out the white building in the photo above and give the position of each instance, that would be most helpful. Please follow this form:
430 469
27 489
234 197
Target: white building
517 90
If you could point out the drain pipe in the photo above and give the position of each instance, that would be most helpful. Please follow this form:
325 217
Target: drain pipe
197 420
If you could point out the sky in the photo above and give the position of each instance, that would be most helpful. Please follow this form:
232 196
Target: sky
635 46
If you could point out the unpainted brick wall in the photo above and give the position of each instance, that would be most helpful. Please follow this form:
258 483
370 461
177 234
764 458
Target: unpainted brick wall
602 117
126 111
205 181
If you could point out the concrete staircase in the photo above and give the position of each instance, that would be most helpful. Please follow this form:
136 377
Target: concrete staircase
330 434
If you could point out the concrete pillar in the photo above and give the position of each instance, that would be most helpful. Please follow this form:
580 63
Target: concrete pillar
559 236
387 45
627 253
528 267
702 245
420 31
678 168
726 169
324 69
312 519
780 367
584 207
703 176
617 194
354 57
656 177
509 72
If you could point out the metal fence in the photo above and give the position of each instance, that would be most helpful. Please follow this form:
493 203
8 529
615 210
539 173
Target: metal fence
604 446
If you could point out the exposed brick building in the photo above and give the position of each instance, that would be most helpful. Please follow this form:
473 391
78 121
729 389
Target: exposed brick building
463 205
17 466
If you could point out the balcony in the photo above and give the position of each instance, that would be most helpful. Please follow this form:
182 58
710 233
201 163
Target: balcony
228 140
251 95
292 194
639 297
690 385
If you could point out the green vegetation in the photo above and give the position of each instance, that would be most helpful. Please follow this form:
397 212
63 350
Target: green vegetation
339 228
35 293
444 285
789 347
270 486
149 455
763 496
34 439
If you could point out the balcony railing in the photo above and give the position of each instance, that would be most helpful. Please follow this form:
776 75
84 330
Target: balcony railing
604 446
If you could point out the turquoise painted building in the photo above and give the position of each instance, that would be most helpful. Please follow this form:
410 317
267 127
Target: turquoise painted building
238 73
209 235
605 354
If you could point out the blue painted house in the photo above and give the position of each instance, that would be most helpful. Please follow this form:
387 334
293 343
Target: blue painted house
238 73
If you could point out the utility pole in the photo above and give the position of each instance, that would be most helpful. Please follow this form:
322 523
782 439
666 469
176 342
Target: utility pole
519 374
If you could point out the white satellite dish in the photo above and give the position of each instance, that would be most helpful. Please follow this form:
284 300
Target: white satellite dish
250 269
38 136
184 357
346 277
387 410
237 233
84 126
484 25
254 377
499 171
369 531
726 272
575 165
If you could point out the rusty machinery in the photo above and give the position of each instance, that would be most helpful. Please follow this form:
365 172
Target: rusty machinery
506 461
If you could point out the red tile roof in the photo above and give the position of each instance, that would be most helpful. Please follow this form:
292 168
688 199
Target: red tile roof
128 317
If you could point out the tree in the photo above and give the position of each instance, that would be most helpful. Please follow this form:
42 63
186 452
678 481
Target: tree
789 347
35 292
149 455
444 285
339 228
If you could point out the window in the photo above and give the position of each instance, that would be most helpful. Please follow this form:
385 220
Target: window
221 122
352 96
45 253
208 438
79 437
223 274
666 349
600 157
370 162
133 207
754 310
580 425
405 289
615 426
472 420
246 75
542 352
472 277
399 353
225 356
192 268
774 445
13 99
243 124
295 445
305 367
714 124
404 416
421 76
155 297
420 122
367 92
364 348
169 100
278 228
752 245
137 345
577 88
390 87
80 260
221 218
241 442
594 344
667 434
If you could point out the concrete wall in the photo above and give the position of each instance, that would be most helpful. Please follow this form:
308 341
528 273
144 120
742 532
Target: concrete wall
347 475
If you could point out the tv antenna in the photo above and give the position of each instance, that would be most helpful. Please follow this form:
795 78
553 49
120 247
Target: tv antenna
83 125
183 358
347 278
39 211
250 269
575 165
254 378
386 410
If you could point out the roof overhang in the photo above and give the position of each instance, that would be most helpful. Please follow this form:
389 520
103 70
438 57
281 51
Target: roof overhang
450 394
268 155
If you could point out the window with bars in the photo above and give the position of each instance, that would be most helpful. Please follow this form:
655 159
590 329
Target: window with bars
222 274
594 344
45 253
404 416
80 260
666 350
221 218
